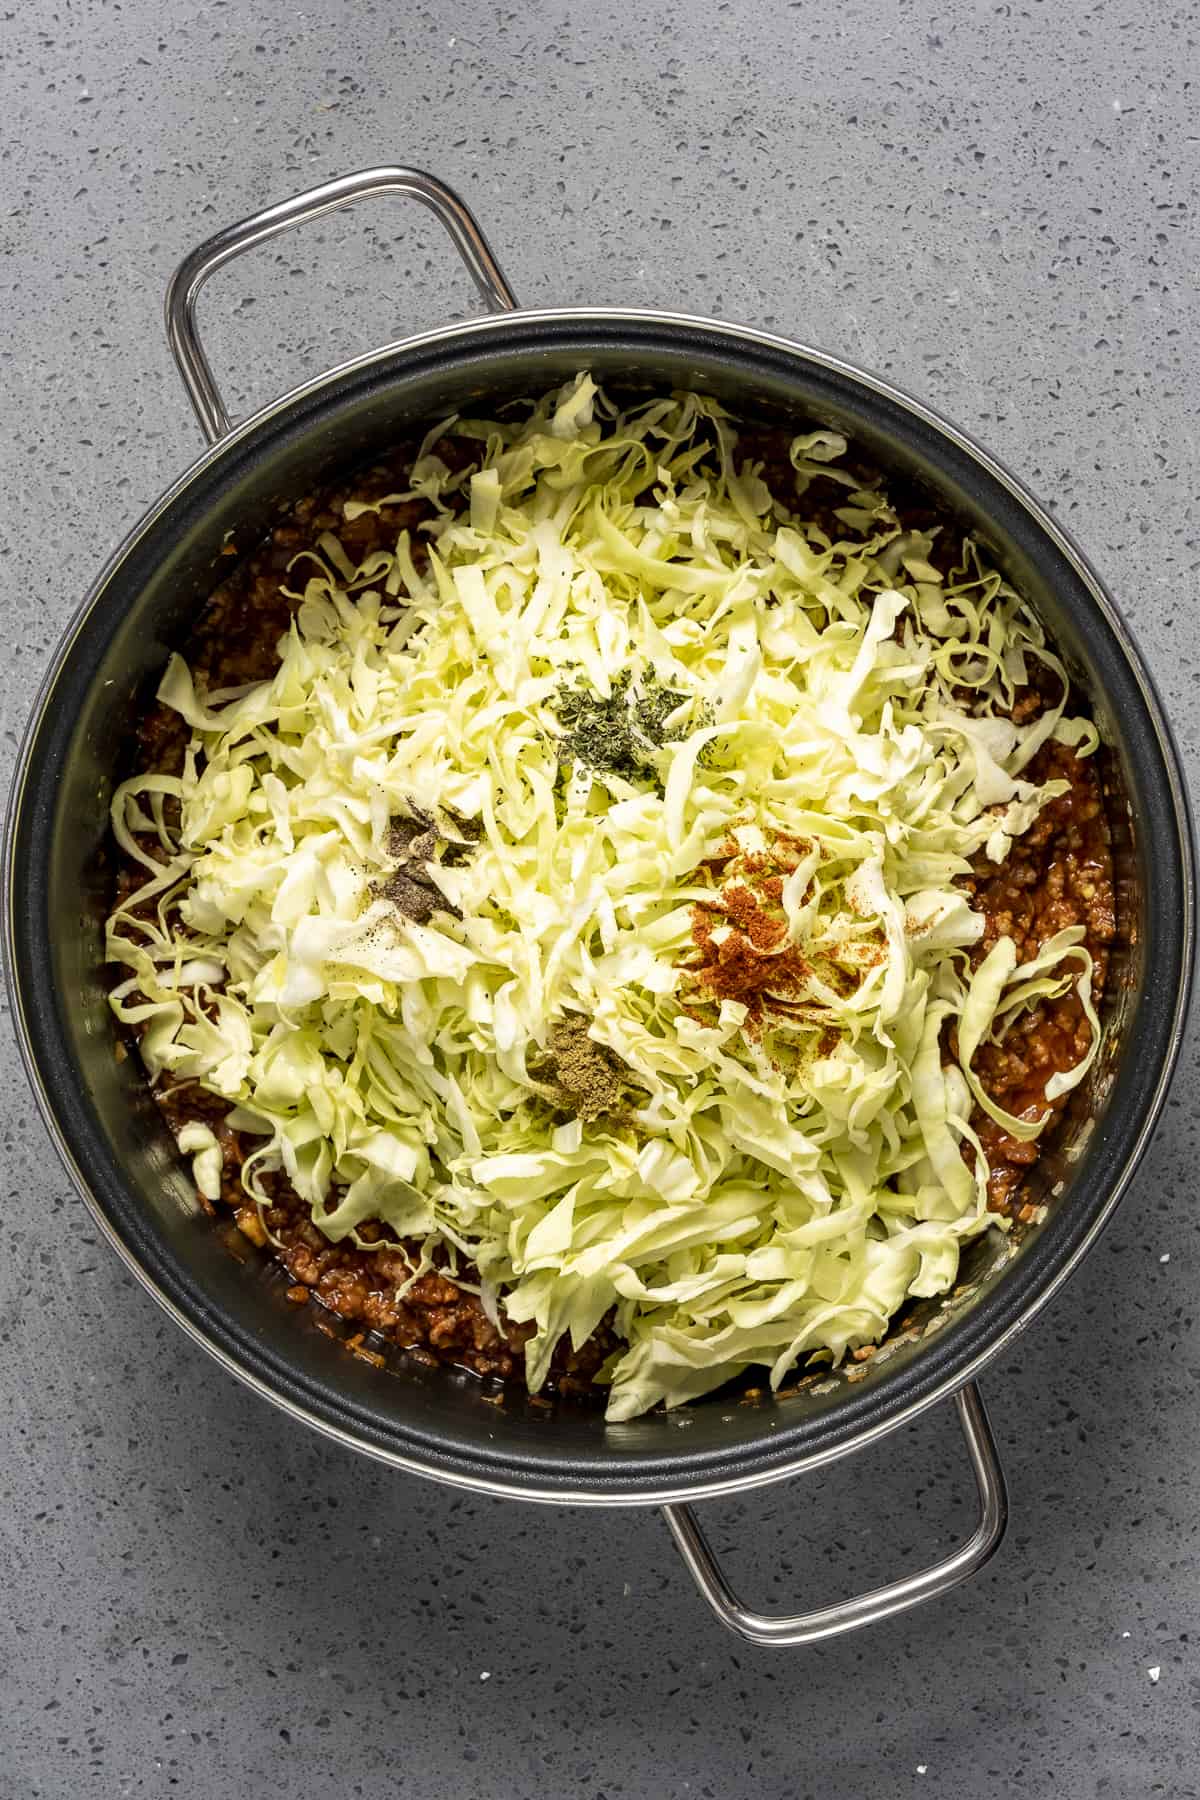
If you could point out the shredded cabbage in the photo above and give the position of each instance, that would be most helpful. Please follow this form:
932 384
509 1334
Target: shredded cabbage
780 1174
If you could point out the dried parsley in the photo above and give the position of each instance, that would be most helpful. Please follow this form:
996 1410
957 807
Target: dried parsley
617 735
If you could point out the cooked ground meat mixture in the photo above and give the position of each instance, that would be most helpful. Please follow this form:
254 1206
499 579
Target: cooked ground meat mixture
360 1286
1058 874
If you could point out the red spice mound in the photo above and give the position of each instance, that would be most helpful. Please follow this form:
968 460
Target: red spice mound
741 949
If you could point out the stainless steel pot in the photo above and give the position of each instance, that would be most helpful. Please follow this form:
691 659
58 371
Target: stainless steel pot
436 1422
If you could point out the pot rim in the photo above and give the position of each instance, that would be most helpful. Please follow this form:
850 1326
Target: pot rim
652 1490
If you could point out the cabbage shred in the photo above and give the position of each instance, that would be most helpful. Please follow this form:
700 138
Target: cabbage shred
525 787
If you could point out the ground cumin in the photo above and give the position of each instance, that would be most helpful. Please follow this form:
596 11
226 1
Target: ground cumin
587 1074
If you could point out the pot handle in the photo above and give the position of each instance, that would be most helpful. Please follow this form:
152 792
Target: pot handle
779 1631
184 286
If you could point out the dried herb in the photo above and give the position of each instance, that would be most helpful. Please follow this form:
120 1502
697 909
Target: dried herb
618 735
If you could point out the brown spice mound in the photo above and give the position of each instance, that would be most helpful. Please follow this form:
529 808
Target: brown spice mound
588 1075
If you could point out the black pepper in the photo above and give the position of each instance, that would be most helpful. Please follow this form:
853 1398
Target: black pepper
418 843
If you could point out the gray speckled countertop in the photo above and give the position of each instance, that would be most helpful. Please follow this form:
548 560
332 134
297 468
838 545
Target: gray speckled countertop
992 203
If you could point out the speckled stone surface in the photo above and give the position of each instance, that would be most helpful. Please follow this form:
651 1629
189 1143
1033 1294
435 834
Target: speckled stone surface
993 203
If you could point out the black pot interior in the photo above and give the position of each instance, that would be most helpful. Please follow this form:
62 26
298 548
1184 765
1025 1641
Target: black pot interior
440 1419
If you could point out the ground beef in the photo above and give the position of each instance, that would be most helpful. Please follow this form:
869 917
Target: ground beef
363 1286
236 636
1058 874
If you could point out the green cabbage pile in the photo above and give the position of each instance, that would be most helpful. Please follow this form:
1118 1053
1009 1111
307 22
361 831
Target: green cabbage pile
837 709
